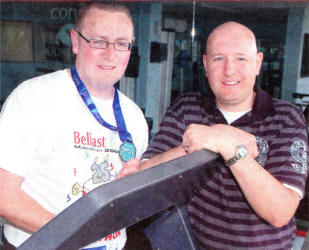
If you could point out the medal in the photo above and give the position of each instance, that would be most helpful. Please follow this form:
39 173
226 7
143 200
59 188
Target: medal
127 151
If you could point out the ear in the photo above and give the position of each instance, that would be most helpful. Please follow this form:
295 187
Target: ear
75 41
204 62
259 61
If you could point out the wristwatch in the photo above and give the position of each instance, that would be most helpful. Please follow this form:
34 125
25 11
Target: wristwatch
241 152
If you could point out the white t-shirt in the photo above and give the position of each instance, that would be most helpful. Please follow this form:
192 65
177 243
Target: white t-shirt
49 137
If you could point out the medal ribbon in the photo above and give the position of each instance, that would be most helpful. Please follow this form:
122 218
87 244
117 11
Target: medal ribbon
124 135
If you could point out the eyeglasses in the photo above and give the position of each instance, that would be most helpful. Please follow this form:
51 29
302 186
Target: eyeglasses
101 44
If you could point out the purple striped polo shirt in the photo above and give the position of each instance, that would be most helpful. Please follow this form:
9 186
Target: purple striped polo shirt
219 213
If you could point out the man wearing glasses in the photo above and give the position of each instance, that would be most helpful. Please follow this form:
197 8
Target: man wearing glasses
65 133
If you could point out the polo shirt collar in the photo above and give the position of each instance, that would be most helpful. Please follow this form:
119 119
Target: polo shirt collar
262 106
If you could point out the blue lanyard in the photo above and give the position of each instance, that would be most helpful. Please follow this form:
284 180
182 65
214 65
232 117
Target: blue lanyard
124 135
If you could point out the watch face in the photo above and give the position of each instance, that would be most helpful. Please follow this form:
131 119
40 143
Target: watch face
242 151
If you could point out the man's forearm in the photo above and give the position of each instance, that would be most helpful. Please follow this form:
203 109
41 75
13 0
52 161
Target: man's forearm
18 207
26 214
269 198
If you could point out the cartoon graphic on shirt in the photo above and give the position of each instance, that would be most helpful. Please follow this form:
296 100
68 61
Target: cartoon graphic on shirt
101 173
76 189
298 150
263 150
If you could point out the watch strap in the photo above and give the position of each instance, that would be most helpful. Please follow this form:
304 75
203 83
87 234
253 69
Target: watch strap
231 161
241 152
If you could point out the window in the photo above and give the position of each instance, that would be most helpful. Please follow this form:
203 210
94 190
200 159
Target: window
305 57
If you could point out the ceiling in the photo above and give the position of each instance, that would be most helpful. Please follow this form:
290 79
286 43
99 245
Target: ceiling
266 10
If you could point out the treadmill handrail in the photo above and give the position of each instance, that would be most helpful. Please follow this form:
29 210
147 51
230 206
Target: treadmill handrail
124 202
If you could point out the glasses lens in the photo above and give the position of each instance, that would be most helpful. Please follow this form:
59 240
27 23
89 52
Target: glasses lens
122 46
101 44
98 44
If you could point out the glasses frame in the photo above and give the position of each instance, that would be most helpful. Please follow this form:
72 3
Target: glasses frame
130 45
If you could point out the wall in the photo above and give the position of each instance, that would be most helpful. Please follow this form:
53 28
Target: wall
297 25
303 83
44 47
148 90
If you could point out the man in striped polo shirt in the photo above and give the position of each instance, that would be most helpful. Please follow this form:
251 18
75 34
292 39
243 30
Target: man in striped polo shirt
250 201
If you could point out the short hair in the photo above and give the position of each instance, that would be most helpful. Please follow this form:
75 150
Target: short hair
103 5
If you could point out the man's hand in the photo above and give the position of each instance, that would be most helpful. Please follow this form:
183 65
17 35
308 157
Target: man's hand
128 168
218 138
